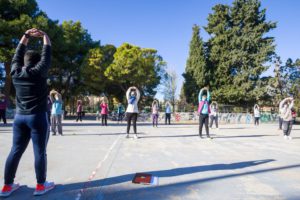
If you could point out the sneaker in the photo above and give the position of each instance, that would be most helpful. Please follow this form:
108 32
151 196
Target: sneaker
290 138
7 190
285 137
53 134
210 138
43 188
127 135
201 136
135 136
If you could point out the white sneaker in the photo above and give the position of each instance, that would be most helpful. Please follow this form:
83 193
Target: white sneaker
43 188
7 190
290 138
285 137
135 136
127 135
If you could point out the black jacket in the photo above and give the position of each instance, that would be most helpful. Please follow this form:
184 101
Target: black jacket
30 81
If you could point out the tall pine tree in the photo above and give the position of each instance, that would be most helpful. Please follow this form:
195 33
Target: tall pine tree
239 50
197 73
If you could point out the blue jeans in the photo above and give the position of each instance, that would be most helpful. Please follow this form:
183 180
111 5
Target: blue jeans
26 127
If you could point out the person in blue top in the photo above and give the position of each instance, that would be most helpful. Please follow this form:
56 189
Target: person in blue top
204 111
168 113
56 112
120 112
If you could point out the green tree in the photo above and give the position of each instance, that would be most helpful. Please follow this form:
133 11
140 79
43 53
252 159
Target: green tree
15 18
239 50
96 62
197 71
65 73
136 66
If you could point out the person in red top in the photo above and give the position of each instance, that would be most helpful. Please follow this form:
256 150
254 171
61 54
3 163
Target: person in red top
104 111
79 110
3 106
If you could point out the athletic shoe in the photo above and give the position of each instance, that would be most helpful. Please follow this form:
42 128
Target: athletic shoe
210 138
43 188
285 137
7 190
127 135
53 134
290 138
135 136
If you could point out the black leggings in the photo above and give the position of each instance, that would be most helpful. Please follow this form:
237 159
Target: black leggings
104 119
203 119
168 118
131 117
2 115
256 120
79 116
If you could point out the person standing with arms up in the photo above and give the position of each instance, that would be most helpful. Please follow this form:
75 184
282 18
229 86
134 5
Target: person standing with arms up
133 96
214 115
56 112
256 115
155 113
29 73
79 111
286 106
104 111
168 113
204 111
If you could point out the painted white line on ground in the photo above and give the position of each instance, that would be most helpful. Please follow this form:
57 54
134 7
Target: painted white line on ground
93 174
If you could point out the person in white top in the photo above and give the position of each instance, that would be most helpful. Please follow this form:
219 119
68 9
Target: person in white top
214 114
133 96
256 115
155 114
285 108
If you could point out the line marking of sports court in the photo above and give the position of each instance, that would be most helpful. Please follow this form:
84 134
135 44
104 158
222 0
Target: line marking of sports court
93 174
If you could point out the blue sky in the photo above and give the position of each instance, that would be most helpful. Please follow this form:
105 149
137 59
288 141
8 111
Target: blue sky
166 25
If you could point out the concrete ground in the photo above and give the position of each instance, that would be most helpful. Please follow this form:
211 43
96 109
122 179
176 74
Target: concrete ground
95 162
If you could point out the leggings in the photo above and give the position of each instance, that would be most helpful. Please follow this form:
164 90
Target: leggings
104 119
155 119
25 128
131 117
203 119
168 118
212 119
79 116
2 115
256 120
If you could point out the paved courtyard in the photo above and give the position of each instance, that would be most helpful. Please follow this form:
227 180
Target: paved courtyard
95 162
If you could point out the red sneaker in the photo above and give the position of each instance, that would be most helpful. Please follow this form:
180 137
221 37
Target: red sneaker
7 190
43 188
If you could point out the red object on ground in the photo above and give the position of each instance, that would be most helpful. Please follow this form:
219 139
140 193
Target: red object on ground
142 178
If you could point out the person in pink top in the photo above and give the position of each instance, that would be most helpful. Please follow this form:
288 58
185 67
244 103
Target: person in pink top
79 110
155 113
104 112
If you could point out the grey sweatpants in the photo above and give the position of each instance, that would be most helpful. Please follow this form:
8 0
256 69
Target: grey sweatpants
287 127
56 124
